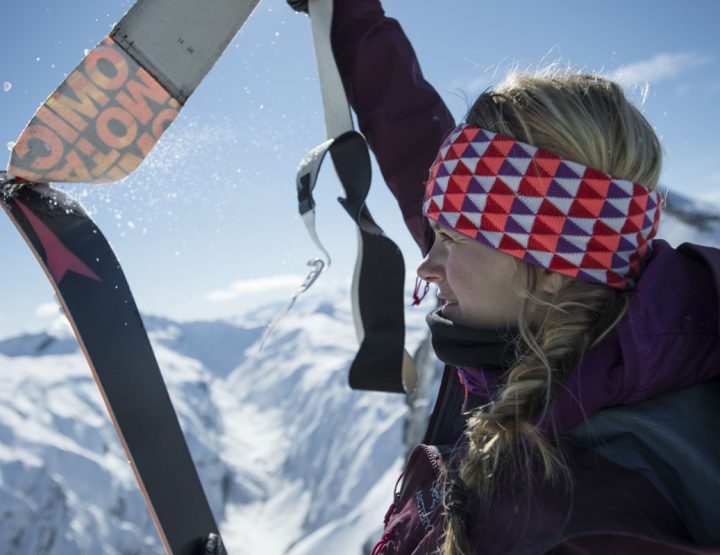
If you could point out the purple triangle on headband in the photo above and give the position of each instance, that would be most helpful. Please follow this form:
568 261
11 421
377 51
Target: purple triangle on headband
475 187
652 202
566 247
625 246
647 222
470 152
530 259
618 262
437 191
615 191
442 220
609 211
518 152
563 170
511 226
442 171
585 276
508 169
556 190
481 136
469 206
519 208
572 229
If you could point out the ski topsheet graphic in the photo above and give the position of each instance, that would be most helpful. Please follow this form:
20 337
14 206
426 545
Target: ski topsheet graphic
103 120
96 298
98 125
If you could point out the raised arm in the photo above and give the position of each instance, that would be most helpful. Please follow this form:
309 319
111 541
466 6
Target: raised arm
400 113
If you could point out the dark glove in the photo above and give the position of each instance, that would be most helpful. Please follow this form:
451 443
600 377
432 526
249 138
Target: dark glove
299 5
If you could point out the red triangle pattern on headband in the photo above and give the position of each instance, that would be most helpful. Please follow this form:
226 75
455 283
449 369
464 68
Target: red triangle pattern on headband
532 204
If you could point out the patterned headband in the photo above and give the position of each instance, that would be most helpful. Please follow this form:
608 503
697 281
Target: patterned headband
544 210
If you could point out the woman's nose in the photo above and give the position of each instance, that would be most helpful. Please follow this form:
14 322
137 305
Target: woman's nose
432 268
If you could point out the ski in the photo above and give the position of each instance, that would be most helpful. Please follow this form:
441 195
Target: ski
103 120
97 127
96 299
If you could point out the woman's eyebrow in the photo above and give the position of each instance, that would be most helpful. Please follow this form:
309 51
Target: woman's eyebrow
442 230
435 226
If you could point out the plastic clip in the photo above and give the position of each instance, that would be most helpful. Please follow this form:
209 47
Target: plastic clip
318 265
214 546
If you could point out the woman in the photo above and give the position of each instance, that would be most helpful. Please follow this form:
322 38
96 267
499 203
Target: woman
544 265
557 306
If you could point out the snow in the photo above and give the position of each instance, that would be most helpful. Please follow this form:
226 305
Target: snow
686 219
291 459
7 86
63 474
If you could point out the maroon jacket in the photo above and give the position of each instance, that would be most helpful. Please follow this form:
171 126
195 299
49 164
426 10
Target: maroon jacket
626 495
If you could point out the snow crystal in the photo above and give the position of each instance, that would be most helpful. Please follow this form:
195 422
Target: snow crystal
10 145
7 85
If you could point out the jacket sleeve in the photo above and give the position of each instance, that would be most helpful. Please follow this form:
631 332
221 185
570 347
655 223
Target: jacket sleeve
401 115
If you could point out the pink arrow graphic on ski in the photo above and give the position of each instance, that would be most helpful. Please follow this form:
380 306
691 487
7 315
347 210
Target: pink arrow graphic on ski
60 259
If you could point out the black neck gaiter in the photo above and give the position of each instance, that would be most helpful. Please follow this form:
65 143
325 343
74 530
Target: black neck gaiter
462 346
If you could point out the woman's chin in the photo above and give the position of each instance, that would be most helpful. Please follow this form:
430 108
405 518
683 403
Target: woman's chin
451 311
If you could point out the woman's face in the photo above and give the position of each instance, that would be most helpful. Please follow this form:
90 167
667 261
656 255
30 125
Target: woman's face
477 283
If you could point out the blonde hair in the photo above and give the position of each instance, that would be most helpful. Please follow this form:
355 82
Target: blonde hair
586 119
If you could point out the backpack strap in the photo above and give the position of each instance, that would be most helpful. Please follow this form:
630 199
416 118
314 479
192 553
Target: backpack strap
671 439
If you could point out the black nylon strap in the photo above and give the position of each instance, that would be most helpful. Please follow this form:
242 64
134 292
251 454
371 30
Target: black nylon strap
381 364
378 284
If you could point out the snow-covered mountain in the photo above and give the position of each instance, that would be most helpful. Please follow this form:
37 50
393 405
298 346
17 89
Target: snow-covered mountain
293 461
689 220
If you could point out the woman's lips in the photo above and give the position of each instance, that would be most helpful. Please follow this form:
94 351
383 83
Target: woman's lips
448 304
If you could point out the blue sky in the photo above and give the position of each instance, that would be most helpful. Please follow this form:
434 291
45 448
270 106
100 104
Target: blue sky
208 227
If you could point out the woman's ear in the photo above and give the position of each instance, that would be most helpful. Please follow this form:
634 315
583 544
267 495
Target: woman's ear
550 282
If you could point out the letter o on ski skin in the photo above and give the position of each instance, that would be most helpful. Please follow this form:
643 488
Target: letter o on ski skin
113 59
116 127
44 145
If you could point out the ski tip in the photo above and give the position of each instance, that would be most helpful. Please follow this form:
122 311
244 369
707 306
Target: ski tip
10 185
100 123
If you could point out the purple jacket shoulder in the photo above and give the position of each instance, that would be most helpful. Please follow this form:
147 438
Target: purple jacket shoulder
667 340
